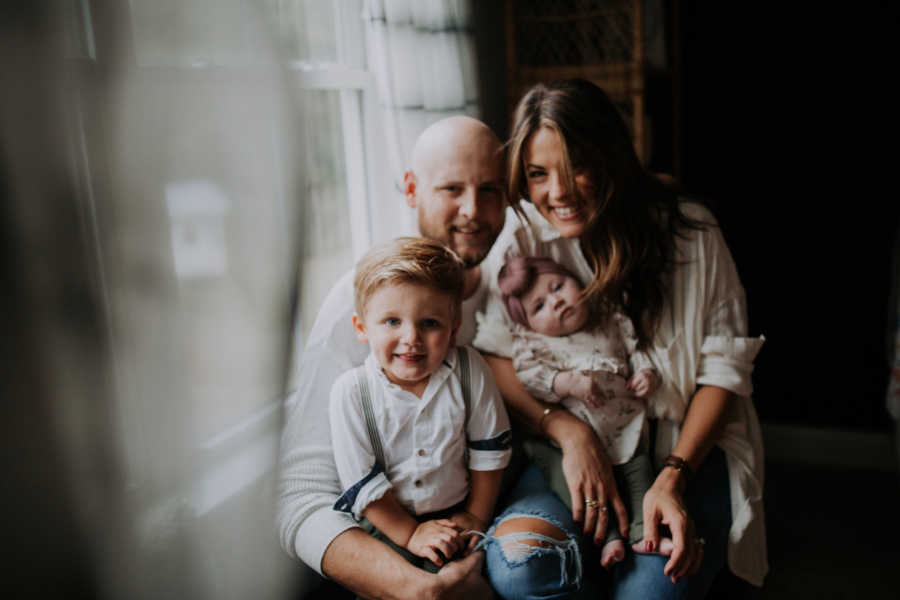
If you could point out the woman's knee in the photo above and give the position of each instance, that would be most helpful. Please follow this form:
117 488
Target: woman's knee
529 556
509 528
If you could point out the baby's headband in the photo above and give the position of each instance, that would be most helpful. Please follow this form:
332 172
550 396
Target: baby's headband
516 278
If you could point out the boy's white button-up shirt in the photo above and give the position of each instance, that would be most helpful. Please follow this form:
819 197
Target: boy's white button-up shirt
308 481
429 443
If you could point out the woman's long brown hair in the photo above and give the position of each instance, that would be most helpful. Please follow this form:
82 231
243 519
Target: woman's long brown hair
630 238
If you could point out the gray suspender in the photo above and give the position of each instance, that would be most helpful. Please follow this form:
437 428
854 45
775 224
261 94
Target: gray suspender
365 397
374 437
465 379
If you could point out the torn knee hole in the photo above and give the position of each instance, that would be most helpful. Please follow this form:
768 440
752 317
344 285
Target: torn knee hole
530 524
519 536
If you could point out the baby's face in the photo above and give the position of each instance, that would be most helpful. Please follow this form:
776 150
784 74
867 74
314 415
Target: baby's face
553 305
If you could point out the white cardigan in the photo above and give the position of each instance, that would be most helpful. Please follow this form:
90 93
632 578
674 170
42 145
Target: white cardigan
701 340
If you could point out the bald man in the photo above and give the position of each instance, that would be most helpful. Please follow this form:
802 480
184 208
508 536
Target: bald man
456 186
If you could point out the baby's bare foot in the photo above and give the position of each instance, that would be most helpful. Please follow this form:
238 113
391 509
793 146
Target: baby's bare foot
612 553
665 547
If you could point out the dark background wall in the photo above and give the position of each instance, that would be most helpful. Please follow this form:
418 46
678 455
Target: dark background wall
786 115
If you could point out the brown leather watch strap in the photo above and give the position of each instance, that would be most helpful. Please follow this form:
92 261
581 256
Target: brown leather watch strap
679 464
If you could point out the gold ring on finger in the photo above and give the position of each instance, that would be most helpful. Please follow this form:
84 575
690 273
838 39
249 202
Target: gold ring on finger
591 503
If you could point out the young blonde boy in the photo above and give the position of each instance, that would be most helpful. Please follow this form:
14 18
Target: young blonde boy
420 433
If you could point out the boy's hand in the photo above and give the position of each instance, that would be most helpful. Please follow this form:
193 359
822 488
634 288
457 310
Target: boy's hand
579 386
431 537
466 521
644 382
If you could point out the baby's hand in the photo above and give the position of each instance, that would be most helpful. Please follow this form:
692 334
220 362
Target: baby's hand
432 537
644 382
579 386
466 521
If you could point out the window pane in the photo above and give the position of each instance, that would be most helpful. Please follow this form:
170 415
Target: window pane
326 248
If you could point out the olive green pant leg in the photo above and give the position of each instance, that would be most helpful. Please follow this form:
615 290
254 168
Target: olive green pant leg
633 479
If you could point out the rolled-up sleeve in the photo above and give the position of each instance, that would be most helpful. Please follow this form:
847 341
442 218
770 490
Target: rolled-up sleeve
726 352
362 480
488 434
727 362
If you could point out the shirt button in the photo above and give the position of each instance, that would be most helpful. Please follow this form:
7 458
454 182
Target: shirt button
421 451
418 483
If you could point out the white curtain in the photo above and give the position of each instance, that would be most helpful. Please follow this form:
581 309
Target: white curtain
150 219
422 53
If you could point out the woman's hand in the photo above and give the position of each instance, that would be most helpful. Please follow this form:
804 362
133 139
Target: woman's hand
663 504
589 476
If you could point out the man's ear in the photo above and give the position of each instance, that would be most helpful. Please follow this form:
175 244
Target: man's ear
409 188
360 328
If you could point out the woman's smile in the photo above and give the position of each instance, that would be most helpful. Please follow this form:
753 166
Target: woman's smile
563 202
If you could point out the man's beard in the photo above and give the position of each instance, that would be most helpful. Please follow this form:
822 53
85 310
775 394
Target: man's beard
470 262
470 255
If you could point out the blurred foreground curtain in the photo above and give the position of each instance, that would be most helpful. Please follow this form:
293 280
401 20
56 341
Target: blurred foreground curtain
422 53
151 193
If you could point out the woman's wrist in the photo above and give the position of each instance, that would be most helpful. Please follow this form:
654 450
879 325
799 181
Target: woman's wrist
671 479
565 429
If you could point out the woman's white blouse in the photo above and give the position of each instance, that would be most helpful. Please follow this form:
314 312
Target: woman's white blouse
701 340
429 443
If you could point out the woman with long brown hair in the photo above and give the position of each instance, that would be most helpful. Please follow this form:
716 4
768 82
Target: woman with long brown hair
589 205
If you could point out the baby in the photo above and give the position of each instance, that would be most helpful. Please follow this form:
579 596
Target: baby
420 433
561 351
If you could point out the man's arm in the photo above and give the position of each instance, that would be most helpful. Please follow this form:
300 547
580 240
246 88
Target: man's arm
371 569
424 539
308 478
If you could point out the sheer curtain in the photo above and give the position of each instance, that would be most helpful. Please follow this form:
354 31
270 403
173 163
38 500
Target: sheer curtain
422 53
155 199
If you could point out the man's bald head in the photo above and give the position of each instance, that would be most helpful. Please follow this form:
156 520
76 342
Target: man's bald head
451 136
456 184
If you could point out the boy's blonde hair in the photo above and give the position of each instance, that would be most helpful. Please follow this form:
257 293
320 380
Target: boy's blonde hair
413 260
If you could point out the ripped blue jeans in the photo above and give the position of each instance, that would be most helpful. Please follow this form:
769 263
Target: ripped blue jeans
523 571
